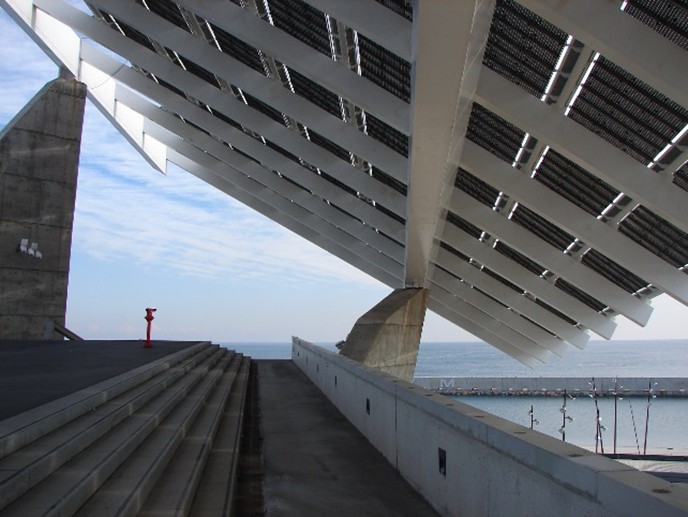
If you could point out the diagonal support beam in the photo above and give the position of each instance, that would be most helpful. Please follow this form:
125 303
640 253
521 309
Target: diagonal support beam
444 32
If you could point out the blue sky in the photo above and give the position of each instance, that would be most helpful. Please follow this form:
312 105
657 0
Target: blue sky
215 269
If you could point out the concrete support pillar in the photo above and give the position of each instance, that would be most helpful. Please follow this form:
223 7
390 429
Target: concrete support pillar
387 337
39 159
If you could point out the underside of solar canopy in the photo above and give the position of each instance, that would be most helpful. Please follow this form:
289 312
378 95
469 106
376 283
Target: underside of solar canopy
524 160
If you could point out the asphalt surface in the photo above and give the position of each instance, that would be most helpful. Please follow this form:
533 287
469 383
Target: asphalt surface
36 372
316 463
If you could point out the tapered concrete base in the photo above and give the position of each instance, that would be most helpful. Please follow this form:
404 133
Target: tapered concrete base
388 336
39 159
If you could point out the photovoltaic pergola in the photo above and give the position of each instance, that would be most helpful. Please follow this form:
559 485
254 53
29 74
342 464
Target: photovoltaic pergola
525 161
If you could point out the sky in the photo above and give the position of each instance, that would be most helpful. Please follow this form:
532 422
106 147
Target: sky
214 269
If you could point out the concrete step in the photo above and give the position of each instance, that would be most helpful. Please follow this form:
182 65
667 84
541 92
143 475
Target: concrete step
126 490
70 486
22 429
215 492
175 488
30 465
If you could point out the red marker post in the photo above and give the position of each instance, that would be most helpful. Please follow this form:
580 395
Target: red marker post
149 318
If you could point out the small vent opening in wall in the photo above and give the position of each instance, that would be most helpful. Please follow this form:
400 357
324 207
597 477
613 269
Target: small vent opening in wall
442 457
367 406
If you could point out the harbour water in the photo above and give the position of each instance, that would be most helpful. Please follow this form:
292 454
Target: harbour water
667 426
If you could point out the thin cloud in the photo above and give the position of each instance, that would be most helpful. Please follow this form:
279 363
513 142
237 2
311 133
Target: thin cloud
128 211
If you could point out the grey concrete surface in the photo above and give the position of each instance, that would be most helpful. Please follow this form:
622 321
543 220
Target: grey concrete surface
36 372
387 337
316 462
39 158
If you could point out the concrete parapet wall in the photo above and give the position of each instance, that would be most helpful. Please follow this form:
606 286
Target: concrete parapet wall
468 462
627 386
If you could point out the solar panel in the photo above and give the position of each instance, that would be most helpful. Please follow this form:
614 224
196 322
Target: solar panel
467 227
260 106
681 177
325 143
169 11
494 134
522 47
475 187
501 279
385 68
238 49
198 70
318 95
627 112
453 251
132 33
386 134
385 178
613 271
401 7
391 214
541 227
554 311
571 181
302 21
580 295
656 235
669 18
519 258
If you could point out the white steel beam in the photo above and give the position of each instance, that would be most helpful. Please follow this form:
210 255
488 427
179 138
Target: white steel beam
629 43
260 173
578 222
209 176
249 118
515 301
527 281
282 209
548 256
444 32
334 76
443 304
373 20
583 147
499 312
241 140
490 324
263 88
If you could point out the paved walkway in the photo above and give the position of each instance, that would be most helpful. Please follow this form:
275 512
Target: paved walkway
316 463
36 372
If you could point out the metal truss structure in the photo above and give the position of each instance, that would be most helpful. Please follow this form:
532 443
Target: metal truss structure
524 160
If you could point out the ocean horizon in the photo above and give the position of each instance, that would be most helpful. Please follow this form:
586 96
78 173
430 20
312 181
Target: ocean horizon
666 419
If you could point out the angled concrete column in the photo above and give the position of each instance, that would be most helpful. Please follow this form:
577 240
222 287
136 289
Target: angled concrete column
39 158
387 337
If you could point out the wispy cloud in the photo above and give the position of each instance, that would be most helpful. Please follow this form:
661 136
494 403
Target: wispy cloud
127 211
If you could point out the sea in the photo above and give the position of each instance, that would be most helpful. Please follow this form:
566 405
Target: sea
631 424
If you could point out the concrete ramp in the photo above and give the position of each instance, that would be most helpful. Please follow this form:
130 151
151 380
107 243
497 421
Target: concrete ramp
315 461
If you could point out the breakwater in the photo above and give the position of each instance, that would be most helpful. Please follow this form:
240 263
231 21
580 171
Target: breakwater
555 386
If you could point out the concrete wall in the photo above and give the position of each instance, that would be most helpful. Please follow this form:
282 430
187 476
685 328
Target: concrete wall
636 386
39 158
492 466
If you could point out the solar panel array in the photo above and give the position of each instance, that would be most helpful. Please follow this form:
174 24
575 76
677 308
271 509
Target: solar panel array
528 187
